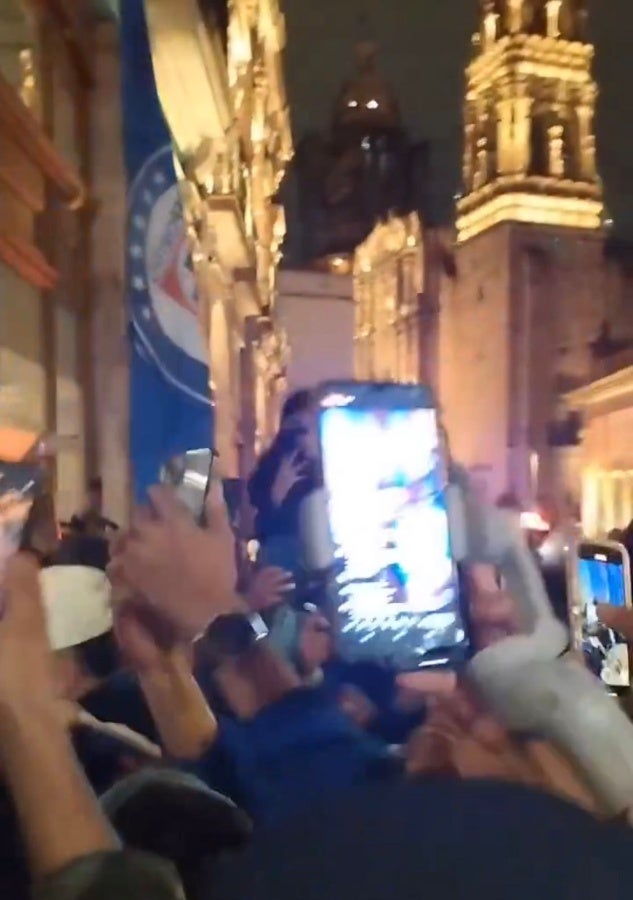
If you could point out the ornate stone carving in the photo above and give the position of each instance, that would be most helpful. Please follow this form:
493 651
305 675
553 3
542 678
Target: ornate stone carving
553 18
515 16
238 151
28 83
556 158
388 276
528 122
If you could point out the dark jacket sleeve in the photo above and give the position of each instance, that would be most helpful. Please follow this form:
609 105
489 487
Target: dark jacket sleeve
259 492
119 874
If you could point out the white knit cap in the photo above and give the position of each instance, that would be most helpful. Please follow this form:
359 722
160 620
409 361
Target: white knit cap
78 604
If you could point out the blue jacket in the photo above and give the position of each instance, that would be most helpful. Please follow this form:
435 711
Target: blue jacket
291 755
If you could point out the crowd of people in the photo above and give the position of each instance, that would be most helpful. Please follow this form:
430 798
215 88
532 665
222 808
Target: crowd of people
171 727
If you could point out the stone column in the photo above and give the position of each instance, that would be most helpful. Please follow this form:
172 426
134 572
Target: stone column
505 135
429 319
586 142
109 335
221 361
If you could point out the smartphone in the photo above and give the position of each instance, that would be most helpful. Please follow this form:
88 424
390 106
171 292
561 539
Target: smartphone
399 599
190 476
21 484
603 575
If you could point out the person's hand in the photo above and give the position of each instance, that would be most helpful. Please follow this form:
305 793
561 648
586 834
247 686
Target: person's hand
493 617
462 737
144 639
27 680
186 573
268 587
291 471
619 618
356 705
68 713
315 642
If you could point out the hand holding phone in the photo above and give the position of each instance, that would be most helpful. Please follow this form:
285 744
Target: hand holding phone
399 598
603 576
21 485
190 476
185 572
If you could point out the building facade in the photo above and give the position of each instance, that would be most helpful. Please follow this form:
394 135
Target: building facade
399 271
219 74
534 287
603 469
316 311
388 279
47 83
63 315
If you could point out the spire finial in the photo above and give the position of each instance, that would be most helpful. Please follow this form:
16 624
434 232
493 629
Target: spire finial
366 49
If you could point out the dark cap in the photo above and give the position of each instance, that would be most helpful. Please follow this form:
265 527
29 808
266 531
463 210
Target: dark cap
83 550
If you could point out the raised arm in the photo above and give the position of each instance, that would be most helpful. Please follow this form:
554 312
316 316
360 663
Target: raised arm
71 848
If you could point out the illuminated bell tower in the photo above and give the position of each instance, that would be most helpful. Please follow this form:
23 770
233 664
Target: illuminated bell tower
518 322
529 142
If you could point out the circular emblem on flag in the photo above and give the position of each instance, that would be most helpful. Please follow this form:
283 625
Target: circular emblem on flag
161 282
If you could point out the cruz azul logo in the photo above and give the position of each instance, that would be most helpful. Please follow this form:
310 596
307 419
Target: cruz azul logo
163 299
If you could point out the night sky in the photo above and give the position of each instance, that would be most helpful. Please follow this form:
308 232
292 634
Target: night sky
423 48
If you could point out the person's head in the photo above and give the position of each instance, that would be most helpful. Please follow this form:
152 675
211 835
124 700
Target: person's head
298 423
77 598
175 816
94 495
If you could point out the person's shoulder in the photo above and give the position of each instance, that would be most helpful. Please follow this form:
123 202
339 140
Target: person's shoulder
461 837
120 873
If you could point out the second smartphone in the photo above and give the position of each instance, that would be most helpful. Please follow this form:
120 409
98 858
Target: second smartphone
603 575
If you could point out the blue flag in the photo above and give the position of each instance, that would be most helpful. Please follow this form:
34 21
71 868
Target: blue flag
170 403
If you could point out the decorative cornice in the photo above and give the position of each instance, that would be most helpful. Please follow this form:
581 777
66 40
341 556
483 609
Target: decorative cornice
534 54
604 391
541 186
532 209
27 261
18 121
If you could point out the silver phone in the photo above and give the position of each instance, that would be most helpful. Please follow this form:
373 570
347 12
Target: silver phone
190 476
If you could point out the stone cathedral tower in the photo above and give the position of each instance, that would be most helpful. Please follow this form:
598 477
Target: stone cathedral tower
529 145
519 321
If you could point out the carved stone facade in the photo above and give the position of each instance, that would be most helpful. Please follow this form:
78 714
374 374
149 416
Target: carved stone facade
529 142
399 277
388 280
535 284
222 88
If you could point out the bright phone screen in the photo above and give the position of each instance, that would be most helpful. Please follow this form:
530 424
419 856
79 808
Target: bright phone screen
602 578
398 587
